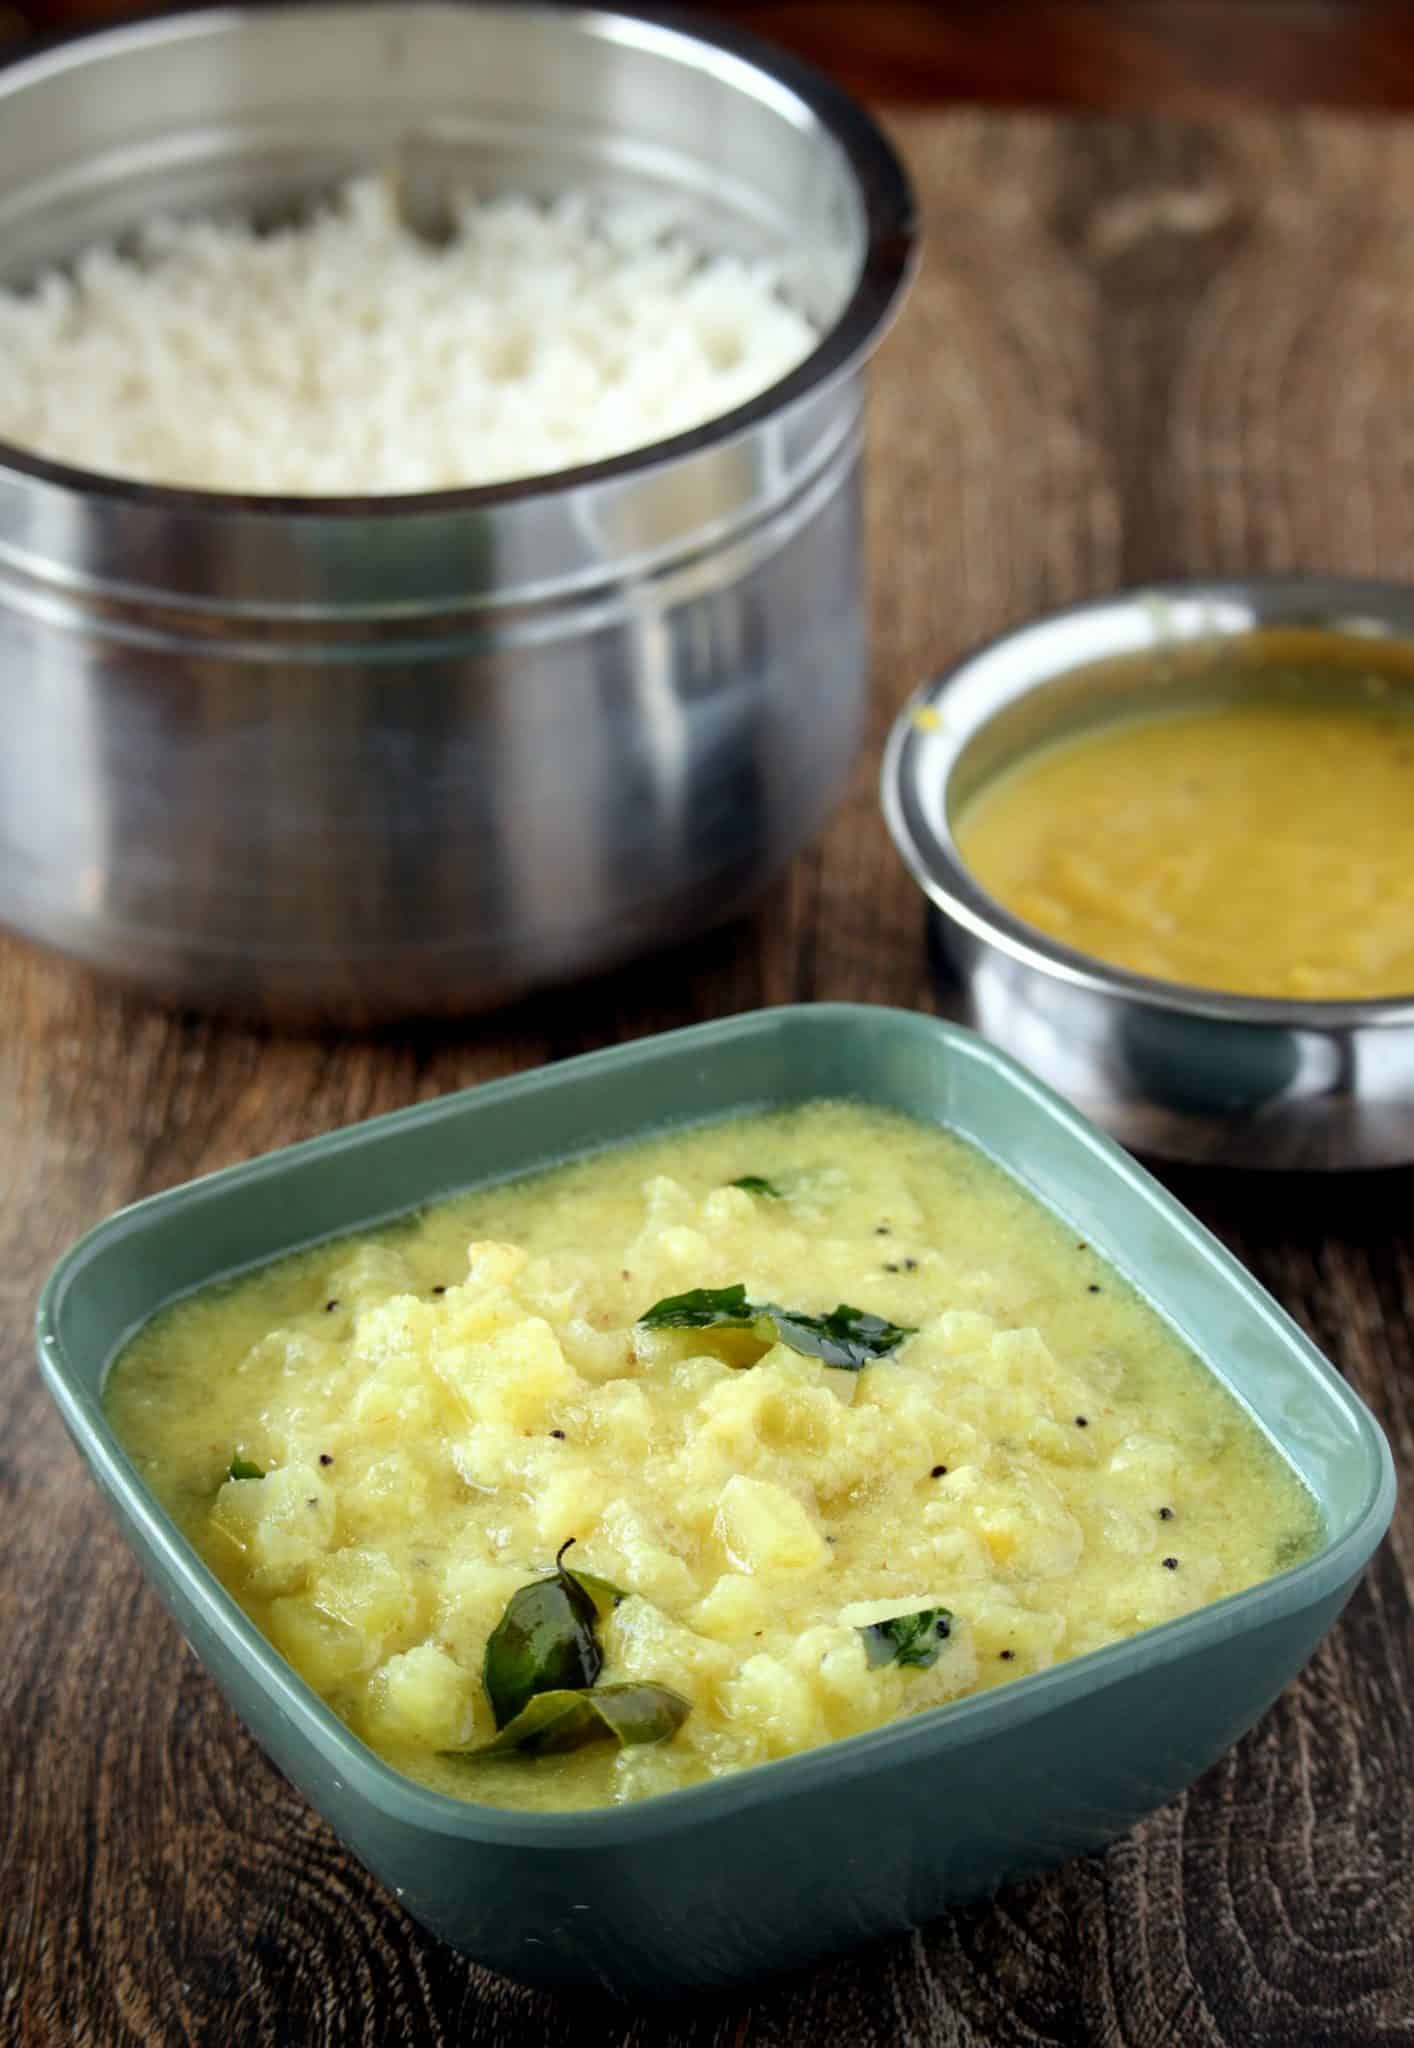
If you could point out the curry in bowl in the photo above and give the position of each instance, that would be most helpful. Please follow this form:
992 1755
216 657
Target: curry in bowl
696 1453
1259 843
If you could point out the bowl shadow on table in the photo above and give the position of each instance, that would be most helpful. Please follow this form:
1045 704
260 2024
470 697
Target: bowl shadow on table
839 1999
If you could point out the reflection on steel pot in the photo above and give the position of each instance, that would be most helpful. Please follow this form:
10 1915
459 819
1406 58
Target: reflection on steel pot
350 758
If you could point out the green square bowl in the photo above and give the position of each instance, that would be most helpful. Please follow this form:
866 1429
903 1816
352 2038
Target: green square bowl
787 1861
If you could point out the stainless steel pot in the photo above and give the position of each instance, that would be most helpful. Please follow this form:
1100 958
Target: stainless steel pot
1180 1072
352 758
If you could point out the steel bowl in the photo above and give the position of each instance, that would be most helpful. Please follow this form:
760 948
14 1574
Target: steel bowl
348 758
1175 1071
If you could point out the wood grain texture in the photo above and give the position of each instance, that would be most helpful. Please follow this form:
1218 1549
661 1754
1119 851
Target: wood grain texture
1136 349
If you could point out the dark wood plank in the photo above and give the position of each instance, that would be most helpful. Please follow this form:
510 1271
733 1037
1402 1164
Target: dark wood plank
1135 348
1107 55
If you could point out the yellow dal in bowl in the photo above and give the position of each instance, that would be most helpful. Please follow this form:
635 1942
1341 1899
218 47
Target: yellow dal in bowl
1042 1458
1261 848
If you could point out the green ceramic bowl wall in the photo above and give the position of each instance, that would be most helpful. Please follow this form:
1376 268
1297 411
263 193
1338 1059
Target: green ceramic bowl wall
791 1860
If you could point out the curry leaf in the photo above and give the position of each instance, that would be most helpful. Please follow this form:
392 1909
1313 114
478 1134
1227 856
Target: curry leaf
242 1468
556 1721
908 1638
754 1184
545 1641
847 1337
701 1308
605 1595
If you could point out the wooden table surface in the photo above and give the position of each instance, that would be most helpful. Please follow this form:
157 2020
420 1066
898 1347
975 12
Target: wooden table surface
1139 347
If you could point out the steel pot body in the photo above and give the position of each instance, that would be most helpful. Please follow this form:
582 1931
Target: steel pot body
347 759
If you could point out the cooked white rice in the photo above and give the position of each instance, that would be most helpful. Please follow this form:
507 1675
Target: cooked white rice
348 354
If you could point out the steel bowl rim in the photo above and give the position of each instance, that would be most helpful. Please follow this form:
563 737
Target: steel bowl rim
953 890
881 183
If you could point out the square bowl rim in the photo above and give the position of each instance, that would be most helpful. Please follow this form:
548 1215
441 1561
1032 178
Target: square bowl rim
927 1734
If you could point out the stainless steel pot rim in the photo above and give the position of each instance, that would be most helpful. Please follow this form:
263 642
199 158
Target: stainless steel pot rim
916 756
885 194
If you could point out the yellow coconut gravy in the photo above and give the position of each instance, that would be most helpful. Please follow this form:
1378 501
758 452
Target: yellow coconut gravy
1042 1460
1263 848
